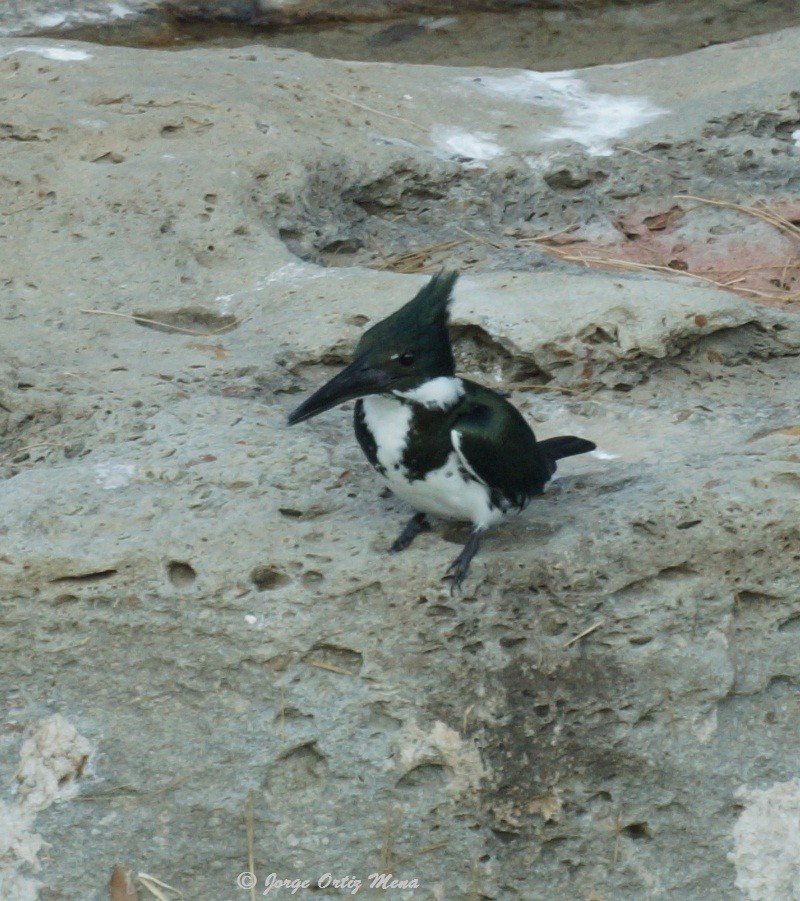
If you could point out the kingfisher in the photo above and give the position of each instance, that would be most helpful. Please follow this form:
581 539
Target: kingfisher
448 446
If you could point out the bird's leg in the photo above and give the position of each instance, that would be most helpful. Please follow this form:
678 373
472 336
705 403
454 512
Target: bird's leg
418 523
458 569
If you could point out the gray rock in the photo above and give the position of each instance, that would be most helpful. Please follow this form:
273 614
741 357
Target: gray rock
18 18
204 594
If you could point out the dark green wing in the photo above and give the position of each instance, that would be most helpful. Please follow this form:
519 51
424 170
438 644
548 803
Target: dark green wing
499 447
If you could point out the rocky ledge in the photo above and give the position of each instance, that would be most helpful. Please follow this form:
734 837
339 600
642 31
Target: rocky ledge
209 660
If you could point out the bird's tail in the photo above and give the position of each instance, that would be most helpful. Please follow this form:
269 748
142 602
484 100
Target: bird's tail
565 446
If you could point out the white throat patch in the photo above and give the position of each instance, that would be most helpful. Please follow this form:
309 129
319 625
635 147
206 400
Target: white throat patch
441 392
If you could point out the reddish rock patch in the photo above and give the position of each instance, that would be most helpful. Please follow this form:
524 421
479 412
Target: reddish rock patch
750 248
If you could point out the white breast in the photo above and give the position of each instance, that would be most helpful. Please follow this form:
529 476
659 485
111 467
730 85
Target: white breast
443 492
388 420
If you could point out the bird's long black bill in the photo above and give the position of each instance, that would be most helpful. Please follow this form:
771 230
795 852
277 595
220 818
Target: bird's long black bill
357 380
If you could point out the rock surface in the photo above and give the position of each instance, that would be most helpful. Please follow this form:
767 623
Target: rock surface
547 35
20 18
204 594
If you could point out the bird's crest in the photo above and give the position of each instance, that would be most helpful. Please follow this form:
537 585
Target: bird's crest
422 319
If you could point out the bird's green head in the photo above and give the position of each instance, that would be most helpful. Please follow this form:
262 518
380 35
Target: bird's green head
396 354
412 344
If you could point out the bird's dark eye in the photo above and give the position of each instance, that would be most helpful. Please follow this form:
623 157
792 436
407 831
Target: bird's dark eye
407 358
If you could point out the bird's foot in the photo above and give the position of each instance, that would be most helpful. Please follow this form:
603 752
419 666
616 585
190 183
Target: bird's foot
418 523
458 569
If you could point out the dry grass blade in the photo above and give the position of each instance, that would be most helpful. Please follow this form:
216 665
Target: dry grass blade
129 791
282 721
375 112
580 635
644 156
653 267
787 267
378 249
387 856
762 212
330 667
428 849
416 260
28 206
165 325
249 819
548 236
28 447
155 886
512 386
766 267
479 240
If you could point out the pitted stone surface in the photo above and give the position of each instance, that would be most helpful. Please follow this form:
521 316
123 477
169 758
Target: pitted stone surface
204 595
